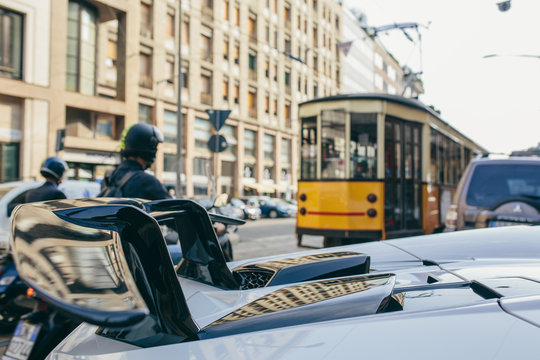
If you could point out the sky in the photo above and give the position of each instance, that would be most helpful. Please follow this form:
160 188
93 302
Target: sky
494 101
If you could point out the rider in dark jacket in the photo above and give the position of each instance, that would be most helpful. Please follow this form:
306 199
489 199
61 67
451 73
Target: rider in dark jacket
138 148
52 169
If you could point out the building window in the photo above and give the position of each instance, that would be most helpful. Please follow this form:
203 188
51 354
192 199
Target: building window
227 168
206 44
287 115
206 87
201 166
236 15
92 125
267 69
185 75
202 133
145 69
145 114
249 143
170 130
146 20
285 152
9 167
185 31
225 10
275 107
252 64
252 103
81 48
104 127
267 104
226 89
288 45
236 53
169 24
170 162
11 44
110 63
268 146
226 48
236 93
252 27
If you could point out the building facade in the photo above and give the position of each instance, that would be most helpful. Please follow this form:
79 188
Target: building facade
84 70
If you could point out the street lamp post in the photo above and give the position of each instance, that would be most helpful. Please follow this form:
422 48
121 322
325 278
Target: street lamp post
179 135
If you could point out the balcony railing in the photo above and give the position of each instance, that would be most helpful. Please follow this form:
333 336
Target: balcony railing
252 112
206 98
207 14
252 75
145 81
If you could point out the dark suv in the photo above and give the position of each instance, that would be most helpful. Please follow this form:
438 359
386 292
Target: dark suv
496 192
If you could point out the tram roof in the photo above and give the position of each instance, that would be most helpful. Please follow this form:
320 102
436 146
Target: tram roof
414 103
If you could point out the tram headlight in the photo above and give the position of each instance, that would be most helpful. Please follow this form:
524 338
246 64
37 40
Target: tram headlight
303 197
372 213
302 211
372 198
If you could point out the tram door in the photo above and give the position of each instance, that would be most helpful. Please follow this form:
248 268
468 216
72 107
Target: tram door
403 177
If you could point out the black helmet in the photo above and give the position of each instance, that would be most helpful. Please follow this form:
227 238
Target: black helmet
53 166
141 140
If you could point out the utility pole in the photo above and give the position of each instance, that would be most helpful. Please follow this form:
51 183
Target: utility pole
179 127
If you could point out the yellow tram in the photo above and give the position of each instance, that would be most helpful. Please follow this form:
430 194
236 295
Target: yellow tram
376 166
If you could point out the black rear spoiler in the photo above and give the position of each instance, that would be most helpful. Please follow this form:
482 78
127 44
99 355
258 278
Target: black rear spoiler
105 261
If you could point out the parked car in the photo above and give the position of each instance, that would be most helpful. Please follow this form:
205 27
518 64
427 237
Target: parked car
273 208
496 192
250 208
13 193
468 294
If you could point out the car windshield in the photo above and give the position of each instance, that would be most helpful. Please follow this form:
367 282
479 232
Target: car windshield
493 183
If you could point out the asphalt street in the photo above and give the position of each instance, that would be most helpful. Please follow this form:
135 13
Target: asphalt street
266 237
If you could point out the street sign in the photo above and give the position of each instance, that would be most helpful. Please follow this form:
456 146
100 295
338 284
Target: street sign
218 117
217 143
60 138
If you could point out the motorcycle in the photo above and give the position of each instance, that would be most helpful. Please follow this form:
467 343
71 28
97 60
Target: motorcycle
14 301
37 333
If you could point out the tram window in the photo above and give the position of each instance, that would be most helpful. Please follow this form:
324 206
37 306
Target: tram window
333 144
309 148
363 145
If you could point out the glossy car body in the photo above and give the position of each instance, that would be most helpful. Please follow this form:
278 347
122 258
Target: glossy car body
496 192
250 208
469 294
274 208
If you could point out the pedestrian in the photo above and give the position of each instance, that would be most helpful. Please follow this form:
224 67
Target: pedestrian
138 148
52 169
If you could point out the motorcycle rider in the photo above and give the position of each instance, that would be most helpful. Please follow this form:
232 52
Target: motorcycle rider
52 169
138 148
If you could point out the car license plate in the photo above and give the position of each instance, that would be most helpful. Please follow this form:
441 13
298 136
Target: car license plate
22 342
